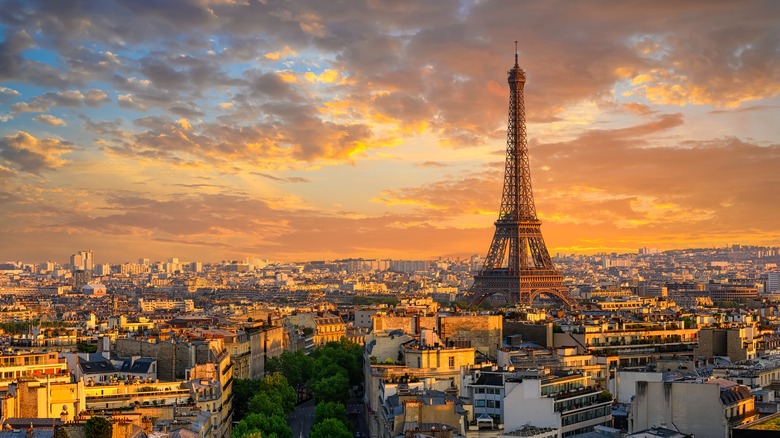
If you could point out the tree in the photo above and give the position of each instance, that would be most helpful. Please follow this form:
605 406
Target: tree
60 432
266 403
334 389
330 428
243 391
86 347
98 427
325 366
346 354
296 367
326 410
265 424
277 385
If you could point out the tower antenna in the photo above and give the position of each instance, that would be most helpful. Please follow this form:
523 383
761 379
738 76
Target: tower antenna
516 53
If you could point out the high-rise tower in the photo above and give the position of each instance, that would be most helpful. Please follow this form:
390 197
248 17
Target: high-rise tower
518 266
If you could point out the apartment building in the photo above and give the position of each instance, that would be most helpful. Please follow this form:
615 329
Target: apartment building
684 404
38 366
567 402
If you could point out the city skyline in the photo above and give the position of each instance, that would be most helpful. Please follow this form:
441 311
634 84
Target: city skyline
314 130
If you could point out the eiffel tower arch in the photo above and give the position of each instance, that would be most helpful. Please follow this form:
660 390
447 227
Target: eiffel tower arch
518 267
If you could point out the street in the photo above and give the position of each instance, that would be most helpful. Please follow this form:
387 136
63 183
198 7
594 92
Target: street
301 420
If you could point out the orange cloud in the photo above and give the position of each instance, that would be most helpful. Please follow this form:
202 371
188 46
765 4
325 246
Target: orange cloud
34 155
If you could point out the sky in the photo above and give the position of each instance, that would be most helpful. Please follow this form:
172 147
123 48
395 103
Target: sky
300 130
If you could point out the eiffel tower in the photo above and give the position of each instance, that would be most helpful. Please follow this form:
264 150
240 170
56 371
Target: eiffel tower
518 266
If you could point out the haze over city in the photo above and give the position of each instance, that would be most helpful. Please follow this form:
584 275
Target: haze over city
314 129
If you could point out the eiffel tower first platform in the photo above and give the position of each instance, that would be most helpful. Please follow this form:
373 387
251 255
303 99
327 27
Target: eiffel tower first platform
518 267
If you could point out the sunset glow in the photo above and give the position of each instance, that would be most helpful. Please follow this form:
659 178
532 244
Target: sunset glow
210 130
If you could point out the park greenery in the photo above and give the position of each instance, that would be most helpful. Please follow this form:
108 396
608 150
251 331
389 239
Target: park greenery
327 375
263 406
21 327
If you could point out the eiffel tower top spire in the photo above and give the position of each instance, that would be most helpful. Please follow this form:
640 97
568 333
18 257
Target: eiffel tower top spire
517 201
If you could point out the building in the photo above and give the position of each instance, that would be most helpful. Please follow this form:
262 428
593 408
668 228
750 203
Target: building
264 342
564 401
211 385
410 411
183 306
737 343
29 398
430 353
731 292
685 404
772 282
328 328
94 290
82 261
121 395
484 333
91 367
364 318
39 366
634 343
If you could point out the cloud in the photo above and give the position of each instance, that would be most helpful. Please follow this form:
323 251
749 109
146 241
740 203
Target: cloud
5 172
637 108
292 179
11 48
71 98
432 164
284 53
35 106
34 155
746 109
50 120
7 94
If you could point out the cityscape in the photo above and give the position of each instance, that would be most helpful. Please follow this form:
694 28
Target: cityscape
273 219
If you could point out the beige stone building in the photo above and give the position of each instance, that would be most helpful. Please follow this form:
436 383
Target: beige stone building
723 403
738 343
328 328
481 332
35 399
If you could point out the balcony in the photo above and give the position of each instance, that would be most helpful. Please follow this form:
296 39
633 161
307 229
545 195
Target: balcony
585 398
574 393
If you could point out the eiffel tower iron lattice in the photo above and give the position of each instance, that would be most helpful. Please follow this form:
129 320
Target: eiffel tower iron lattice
518 265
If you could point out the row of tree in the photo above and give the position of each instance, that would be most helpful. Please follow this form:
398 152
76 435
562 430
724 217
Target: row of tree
263 406
327 374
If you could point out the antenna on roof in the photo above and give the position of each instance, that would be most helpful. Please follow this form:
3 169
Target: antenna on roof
515 52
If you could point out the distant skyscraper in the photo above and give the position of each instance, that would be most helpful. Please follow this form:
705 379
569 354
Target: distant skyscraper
76 262
80 279
772 282
82 260
104 269
518 266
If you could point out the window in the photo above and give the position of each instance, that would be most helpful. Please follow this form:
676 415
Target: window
452 361
479 403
